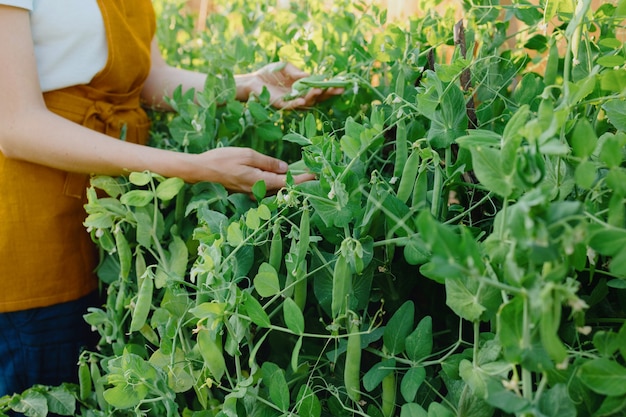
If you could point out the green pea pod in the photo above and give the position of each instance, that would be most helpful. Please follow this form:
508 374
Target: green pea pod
97 383
388 397
420 190
352 369
211 351
409 175
342 286
276 248
143 304
401 148
123 252
84 380
300 87
303 243
300 286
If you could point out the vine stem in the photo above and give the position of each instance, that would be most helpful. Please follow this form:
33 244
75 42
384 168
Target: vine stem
526 376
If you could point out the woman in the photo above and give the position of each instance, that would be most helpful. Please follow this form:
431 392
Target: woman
73 75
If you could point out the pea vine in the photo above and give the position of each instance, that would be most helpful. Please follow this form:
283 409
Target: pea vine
460 253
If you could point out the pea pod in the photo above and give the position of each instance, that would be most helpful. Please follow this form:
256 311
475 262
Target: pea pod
409 175
97 383
276 247
301 86
143 304
401 148
352 369
388 397
123 251
300 287
84 380
211 351
342 286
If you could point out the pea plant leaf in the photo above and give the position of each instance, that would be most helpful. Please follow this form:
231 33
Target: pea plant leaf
419 344
604 376
266 281
255 311
293 316
398 328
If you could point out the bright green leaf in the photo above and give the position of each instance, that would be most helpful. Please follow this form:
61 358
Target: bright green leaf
604 376
169 188
255 311
137 198
419 344
413 410
398 328
293 316
411 382
266 281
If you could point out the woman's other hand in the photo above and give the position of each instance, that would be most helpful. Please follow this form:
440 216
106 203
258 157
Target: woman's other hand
278 77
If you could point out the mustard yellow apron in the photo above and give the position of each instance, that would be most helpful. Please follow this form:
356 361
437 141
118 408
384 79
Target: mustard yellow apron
47 256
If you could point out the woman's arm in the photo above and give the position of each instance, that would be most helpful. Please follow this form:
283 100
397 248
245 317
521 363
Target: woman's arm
277 77
30 132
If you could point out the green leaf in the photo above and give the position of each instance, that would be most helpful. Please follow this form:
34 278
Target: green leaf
351 146
266 281
510 329
297 139
377 373
310 405
293 316
413 410
463 300
606 342
608 241
436 409
611 406
255 311
584 139
419 344
137 198
125 395
604 376
259 189
616 113
61 401
30 403
398 328
488 169
504 399
140 178
618 264
169 188
610 61
252 220
279 391
411 382
586 174
611 151
234 236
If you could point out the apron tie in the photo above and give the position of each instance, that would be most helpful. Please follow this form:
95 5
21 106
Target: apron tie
110 115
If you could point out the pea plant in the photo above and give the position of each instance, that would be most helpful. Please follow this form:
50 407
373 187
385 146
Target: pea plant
462 251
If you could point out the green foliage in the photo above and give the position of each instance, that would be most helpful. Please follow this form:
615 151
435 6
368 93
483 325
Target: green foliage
433 268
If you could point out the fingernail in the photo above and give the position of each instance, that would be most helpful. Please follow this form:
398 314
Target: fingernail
283 166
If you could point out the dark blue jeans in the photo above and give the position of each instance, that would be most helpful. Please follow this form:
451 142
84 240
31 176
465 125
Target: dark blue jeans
42 345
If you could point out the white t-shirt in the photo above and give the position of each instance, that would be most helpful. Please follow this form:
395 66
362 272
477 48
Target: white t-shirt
70 40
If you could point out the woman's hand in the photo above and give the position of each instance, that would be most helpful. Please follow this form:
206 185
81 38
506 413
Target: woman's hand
238 169
278 77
